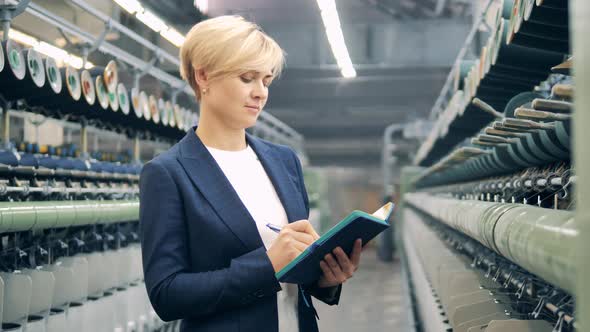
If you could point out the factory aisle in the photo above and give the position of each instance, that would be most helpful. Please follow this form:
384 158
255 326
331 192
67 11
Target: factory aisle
373 300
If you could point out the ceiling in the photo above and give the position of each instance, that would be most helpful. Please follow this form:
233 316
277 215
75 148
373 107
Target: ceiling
402 51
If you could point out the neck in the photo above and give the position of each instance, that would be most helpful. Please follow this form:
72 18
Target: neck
215 134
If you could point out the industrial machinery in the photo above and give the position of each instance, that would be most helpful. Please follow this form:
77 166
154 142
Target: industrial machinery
490 224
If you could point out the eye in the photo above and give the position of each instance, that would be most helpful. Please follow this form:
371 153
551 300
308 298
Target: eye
246 79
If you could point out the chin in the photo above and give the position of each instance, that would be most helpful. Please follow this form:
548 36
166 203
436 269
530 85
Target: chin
251 121
245 123
250 124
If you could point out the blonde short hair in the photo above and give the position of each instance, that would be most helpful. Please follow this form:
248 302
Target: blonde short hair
225 46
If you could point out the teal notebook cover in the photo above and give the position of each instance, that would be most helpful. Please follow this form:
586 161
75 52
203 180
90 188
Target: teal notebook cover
305 268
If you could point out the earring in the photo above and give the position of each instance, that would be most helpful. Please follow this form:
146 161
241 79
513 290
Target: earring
205 90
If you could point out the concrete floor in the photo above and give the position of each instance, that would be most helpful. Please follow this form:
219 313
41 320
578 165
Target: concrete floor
372 300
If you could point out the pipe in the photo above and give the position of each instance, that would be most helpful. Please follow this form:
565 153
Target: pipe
128 32
57 21
25 216
437 253
539 240
580 29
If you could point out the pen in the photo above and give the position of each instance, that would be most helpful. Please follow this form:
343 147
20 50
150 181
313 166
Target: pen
274 228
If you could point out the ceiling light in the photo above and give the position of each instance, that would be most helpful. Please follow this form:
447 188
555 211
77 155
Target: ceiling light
173 36
348 72
60 56
57 53
131 6
22 38
327 5
155 23
151 20
202 6
75 61
331 22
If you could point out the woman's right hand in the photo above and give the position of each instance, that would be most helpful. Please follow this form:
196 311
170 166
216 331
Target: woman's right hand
293 239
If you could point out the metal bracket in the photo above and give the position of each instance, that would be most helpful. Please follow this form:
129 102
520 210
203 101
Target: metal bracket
122 65
176 91
88 48
108 26
9 11
63 34
136 149
139 73
6 105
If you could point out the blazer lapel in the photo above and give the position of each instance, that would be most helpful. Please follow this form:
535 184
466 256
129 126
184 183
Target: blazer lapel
208 177
276 170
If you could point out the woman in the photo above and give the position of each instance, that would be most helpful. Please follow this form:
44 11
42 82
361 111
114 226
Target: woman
208 257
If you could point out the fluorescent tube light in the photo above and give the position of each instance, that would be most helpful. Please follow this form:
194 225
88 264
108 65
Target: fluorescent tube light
152 21
348 72
327 5
57 53
131 6
335 37
22 38
49 50
173 36
156 23
76 62
202 5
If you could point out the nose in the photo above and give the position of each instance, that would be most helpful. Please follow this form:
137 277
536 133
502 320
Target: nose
259 91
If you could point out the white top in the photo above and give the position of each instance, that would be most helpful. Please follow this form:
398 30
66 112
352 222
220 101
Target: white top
249 179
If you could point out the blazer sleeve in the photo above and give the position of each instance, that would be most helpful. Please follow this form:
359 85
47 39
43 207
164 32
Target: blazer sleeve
173 289
328 295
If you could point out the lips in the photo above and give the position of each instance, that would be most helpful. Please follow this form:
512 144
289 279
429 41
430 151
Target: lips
254 110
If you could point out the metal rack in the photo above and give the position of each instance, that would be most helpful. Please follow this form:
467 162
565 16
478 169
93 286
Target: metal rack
443 97
508 64
498 190
580 31
268 125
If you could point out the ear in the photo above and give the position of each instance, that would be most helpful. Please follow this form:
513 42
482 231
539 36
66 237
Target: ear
201 78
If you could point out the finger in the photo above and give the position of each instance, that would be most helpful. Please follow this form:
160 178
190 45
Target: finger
328 274
333 264
303 226
301 237
345 263
355 256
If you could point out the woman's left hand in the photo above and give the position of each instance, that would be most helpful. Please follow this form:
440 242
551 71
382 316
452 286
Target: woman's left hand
338 267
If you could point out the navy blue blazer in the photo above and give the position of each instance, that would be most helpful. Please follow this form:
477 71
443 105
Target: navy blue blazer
203 259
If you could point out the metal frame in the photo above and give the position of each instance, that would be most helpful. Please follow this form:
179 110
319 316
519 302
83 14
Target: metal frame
387 158
442 97
105 47
415 129
268 122
579 12
123 29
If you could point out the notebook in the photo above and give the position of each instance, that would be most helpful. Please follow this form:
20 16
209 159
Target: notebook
305 268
